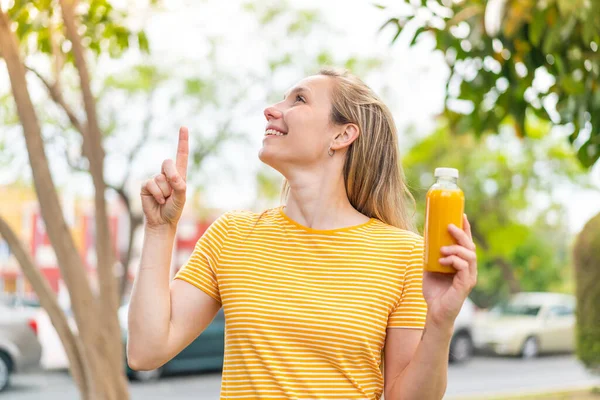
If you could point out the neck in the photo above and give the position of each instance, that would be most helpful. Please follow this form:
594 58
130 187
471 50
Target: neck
320 201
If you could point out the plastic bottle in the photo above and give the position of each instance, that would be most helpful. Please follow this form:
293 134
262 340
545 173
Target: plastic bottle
445 205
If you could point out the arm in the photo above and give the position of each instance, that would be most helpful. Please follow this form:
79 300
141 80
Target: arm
416 364
164 318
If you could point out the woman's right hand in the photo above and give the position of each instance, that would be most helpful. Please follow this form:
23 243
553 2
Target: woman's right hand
163 196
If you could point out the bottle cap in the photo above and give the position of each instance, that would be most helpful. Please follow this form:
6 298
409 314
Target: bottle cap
446 172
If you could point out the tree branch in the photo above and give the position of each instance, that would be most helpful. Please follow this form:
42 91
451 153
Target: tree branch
74 165
57 97
93 128
121 192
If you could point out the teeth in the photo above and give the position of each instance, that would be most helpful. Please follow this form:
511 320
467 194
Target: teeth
269 132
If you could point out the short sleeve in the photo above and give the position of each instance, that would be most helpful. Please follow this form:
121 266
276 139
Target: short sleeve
201 268
411 309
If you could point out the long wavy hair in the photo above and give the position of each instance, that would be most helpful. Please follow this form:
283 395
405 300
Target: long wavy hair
373 173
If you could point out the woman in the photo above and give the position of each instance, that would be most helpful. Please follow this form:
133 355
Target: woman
314 292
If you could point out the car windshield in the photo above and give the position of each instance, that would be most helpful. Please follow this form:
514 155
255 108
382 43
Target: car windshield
518 309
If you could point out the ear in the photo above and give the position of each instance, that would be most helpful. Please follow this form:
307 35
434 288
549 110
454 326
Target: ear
345 138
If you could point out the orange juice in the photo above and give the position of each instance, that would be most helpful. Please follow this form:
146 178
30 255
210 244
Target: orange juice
445 206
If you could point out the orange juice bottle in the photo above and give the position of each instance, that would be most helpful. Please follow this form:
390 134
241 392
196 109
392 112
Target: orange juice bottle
445 205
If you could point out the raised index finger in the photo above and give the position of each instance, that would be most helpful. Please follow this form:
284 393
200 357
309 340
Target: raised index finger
182 152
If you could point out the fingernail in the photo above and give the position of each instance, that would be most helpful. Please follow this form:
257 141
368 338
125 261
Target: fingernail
444 249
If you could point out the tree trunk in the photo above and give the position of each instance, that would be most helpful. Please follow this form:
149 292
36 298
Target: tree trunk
49 302
102 348
508 274
104 252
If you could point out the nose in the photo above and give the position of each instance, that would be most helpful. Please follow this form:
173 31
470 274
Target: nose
272 113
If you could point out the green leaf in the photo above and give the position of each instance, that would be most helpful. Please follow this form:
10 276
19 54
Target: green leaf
280 62
394 21
552 39
201 88
143 42
537 27
589 30
271 14
588 154
507 238
324 58
571 85
416 36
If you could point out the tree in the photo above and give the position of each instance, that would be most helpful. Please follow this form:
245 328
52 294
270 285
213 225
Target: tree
138 88
196 98
103 33
210 100
95 352
517 60
588 297
521 244
511 60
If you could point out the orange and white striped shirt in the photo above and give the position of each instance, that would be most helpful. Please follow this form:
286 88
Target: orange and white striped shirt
306 310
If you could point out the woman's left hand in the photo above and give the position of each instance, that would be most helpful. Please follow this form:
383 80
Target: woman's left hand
446 293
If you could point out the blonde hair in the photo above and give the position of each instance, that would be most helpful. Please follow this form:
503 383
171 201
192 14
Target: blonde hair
373 173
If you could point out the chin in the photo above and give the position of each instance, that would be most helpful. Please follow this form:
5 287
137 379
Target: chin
272 160
267 157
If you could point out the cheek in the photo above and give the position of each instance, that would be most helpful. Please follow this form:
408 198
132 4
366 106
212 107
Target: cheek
304 123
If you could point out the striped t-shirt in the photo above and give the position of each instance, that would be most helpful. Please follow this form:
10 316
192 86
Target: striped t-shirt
306 310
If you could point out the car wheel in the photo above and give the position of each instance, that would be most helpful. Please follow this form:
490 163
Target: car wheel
5 367
461 348
530 349
147 376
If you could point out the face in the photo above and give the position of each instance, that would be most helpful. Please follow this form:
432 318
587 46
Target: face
299 130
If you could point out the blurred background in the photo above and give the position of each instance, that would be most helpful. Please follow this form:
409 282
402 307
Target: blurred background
92 94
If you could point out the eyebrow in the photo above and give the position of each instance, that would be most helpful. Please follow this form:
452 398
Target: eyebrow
299 89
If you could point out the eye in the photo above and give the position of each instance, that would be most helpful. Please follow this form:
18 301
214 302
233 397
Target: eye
300 98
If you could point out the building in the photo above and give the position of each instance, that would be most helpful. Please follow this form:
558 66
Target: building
21 210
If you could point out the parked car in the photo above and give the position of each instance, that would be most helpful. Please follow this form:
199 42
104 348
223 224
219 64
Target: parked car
16 301
205 353
461 345
19 345
528 324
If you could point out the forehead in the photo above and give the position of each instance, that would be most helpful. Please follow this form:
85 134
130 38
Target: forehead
319 86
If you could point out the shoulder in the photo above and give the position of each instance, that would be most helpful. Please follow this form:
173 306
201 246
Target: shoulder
240 220
407 238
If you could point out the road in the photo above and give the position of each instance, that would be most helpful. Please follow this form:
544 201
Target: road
481 376
501 375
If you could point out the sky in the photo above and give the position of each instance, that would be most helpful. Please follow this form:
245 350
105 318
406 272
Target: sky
411 82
